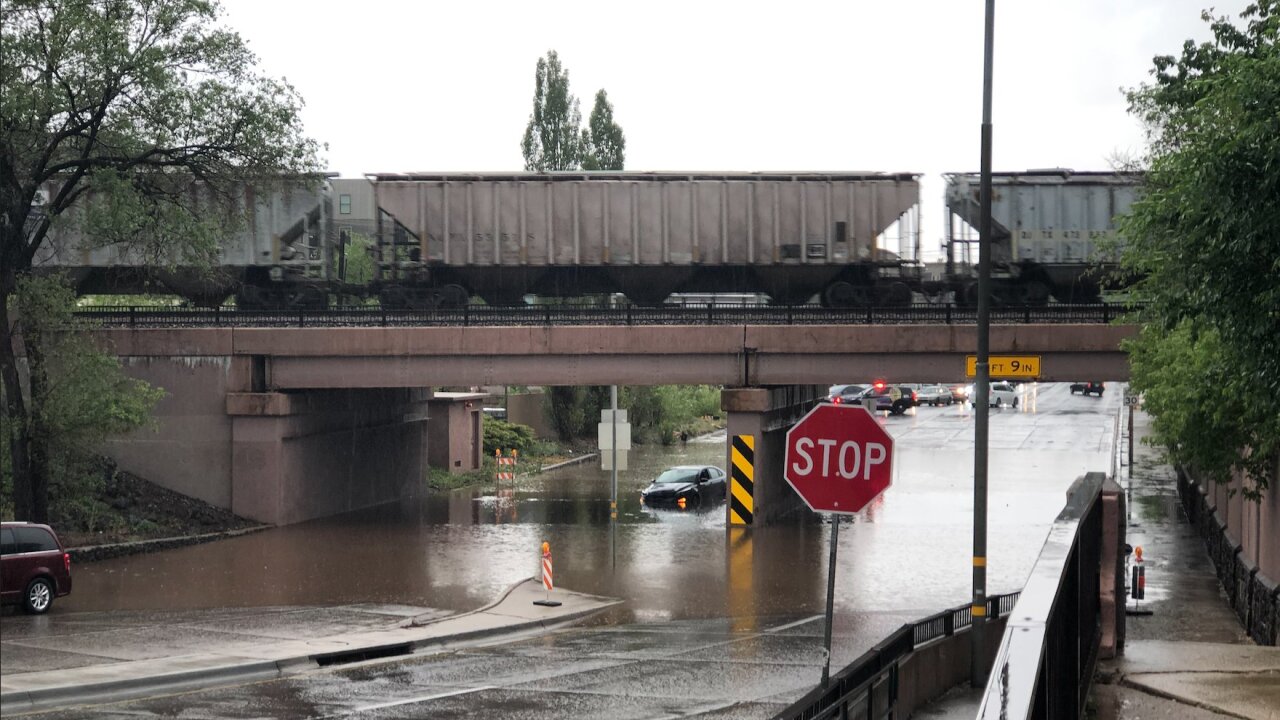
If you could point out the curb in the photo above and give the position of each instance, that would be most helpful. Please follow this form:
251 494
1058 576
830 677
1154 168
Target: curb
92 553
205 678
117 690
573 461
412 623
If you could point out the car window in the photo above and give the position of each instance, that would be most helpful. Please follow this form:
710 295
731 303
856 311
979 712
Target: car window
30 539
6 542
677 476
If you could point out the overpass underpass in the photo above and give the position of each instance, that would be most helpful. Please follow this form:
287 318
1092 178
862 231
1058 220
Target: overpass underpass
253 413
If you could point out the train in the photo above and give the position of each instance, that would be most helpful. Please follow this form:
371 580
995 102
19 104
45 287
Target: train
1053 234
444 240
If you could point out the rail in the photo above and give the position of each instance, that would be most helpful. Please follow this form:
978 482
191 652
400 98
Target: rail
542 315
1045 663
868 687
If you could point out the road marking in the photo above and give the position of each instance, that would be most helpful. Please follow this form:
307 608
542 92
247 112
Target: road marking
790 625
409 701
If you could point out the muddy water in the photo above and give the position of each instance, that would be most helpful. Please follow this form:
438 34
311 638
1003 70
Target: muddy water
910 550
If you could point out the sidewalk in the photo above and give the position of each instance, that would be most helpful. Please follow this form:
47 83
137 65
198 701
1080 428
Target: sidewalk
1189 658
229 647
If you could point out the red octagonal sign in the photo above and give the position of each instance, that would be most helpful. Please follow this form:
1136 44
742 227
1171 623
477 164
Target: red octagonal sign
838 458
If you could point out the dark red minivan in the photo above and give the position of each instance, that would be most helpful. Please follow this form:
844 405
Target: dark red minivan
34 568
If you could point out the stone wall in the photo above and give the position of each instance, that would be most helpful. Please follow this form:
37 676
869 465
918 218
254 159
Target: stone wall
1243 540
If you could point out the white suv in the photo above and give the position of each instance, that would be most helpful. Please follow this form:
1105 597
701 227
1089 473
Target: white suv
1000 394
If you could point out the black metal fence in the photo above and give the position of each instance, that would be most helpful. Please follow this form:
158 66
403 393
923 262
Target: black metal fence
1253 595
868 687
570 314
1045 664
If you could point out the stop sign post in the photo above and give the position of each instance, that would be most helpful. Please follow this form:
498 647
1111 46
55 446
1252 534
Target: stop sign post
838 459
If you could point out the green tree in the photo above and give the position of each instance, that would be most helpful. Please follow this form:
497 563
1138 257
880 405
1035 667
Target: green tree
111 113
604 145
80 396
1205 238
551 139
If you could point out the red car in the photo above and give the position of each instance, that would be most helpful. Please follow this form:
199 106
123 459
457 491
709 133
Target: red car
34 567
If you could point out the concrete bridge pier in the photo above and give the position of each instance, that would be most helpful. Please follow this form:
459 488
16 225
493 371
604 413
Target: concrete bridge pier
758 420
223 434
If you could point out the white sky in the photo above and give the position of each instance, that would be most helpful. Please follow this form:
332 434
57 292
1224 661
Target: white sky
697 85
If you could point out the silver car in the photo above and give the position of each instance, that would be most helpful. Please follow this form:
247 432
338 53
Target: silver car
934 395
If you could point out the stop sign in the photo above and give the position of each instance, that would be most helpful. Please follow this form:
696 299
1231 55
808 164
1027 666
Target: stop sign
838 458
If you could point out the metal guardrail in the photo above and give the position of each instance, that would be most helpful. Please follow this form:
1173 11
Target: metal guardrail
551 315
1045 664
868 687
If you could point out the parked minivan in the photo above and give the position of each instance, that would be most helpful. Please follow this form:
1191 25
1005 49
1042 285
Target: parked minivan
34 567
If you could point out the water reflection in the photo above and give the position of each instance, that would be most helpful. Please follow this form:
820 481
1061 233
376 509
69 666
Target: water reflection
909 551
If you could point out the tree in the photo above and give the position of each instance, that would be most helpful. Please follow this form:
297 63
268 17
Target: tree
604 146
79 394
111 113
551 139
1205 239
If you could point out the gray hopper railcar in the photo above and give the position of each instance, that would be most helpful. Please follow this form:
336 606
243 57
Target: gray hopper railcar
1053 234
281 252
646 235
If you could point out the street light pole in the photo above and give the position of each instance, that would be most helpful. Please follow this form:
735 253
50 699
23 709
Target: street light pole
982 373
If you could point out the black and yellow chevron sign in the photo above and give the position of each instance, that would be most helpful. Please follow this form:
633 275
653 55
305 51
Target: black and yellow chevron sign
742 505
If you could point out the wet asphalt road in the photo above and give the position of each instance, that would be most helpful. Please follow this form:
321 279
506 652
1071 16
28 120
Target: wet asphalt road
693 635
702 668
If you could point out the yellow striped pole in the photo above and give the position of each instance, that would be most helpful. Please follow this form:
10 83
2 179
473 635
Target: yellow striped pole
742 480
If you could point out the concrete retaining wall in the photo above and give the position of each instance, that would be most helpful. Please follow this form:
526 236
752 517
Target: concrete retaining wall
187 448
929 672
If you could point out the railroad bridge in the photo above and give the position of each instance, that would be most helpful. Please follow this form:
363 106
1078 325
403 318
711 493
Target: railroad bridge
284 424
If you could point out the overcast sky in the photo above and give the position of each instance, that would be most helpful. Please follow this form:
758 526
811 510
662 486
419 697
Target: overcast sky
856 85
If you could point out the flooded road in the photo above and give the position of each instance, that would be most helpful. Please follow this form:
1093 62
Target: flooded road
908 552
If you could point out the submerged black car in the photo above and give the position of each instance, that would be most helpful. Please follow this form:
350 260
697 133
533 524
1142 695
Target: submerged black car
692 484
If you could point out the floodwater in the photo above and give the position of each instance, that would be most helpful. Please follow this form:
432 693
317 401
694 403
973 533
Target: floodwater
910 550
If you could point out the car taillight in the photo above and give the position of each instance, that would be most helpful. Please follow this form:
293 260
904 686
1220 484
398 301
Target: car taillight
913 395
836 401
66 561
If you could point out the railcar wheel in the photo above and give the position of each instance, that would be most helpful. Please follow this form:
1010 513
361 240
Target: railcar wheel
896 294
453 296
841 294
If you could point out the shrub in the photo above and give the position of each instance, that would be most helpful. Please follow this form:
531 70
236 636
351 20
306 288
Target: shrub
506 436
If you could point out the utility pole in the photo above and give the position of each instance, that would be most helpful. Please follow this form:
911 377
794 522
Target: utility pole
981 386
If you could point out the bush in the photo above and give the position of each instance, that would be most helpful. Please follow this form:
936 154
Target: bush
506 436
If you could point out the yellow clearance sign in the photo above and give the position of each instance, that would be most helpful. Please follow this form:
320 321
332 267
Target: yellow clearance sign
1006 366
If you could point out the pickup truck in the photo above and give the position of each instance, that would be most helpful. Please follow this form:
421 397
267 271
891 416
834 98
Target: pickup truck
1087 388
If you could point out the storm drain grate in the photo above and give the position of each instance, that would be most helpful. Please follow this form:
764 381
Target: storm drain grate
352 656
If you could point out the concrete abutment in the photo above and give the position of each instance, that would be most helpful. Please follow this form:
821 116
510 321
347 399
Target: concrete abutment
276 457
758 418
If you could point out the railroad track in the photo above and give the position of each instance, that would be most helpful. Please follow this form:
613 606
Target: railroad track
564 314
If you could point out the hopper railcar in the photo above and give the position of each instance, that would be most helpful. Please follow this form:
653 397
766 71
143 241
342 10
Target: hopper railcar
792 236
281 251
1053 235
439 239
